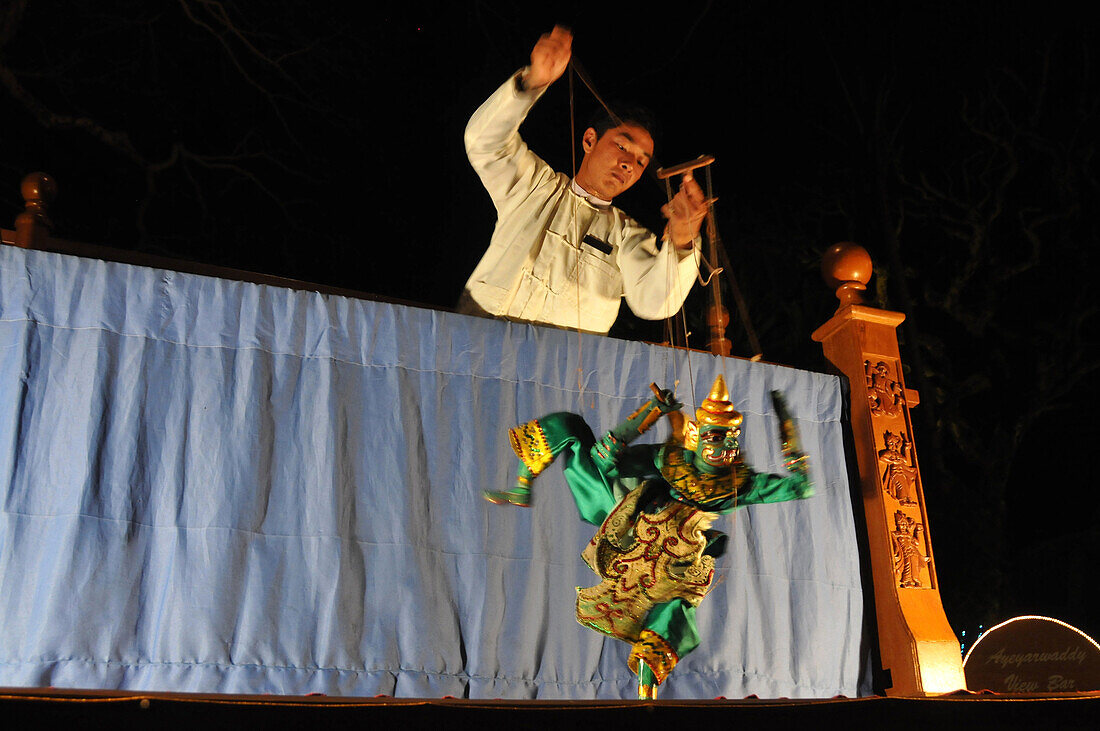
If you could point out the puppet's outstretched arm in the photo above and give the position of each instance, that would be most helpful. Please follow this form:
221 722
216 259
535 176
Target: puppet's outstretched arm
609 447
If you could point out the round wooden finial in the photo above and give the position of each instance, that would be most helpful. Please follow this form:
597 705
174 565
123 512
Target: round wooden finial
847 267
39 190
33 223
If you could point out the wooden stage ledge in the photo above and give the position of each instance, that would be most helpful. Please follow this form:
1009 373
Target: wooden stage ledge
58 708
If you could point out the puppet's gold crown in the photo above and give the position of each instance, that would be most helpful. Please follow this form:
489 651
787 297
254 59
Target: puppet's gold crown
716 409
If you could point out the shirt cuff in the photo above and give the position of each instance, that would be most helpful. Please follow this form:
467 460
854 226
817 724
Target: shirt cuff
519 87
681 254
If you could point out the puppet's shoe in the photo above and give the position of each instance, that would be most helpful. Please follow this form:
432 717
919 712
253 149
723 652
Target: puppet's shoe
519 495
511 497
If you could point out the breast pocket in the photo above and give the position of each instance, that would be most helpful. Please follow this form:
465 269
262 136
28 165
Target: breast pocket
565 265
599 278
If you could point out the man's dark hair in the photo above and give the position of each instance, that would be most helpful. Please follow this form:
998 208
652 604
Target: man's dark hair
627 113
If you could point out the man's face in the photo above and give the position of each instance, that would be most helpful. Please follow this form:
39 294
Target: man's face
614 162
718 447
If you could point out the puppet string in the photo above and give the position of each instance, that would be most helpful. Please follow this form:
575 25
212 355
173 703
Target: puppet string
576 239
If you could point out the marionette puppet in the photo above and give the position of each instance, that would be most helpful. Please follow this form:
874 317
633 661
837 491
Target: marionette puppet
654 505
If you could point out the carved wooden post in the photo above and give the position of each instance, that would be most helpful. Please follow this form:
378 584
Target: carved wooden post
32 226
916 643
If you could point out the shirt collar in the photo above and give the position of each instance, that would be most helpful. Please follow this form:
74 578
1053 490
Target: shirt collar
597 202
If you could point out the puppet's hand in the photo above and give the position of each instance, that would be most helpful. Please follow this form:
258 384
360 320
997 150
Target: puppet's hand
549 58
794 459
666 401
685 213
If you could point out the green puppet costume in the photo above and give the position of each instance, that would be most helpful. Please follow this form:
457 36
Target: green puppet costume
654 505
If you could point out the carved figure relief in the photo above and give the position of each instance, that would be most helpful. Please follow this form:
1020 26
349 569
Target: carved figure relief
899 479
886 395
906 541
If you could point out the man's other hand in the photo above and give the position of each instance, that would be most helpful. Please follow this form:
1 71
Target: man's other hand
549 58
685 213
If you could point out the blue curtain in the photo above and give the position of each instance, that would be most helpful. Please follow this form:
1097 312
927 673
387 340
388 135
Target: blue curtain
220 487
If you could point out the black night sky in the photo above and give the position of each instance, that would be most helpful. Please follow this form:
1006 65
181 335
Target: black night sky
956 141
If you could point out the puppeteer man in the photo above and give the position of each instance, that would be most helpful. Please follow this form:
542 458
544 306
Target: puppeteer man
561 254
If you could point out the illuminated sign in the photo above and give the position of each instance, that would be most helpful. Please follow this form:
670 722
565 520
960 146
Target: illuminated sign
1033 655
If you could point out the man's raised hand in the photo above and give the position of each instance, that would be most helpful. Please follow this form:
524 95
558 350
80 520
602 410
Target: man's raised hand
549 58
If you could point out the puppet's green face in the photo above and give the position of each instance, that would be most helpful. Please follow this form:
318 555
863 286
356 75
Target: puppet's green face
717 448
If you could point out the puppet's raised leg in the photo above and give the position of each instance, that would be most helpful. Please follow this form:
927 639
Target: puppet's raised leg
589 464
537 444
